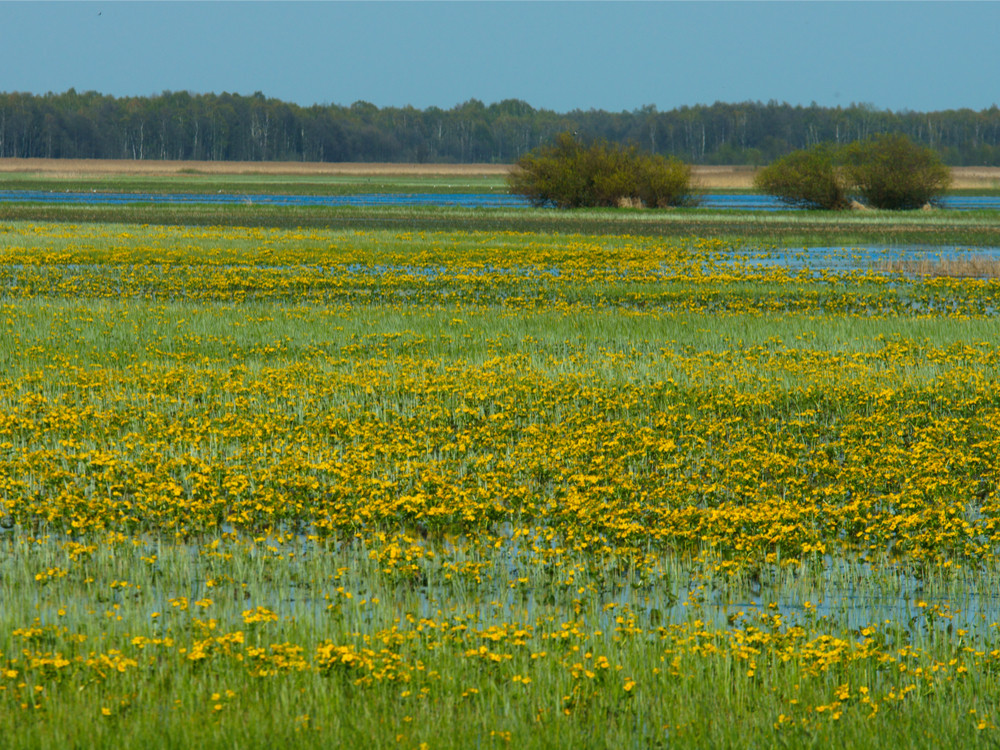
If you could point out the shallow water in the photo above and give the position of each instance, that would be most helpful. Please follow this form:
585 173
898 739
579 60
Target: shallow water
854 258
466 200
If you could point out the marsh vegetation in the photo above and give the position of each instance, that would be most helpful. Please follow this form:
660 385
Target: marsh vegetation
493 488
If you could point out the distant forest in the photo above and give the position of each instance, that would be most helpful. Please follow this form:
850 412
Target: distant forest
230 127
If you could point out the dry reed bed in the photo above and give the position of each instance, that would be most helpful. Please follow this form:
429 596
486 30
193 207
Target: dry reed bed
708 177
704 176
83 167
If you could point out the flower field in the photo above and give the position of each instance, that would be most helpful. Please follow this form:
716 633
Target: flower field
486 489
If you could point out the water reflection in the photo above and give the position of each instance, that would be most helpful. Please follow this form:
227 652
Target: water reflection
833 259
718 201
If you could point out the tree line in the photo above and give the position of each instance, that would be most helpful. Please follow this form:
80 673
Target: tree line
233 127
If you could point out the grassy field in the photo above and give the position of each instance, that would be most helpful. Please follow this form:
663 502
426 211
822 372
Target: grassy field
787 228
469 488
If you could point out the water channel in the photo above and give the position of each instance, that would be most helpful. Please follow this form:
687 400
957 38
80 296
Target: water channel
724 201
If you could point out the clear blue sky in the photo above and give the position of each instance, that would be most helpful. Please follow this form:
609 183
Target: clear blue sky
555 55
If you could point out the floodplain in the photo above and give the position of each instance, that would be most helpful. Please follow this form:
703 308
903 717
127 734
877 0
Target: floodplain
406 486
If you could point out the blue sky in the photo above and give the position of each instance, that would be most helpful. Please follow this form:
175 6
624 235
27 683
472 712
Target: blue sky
555 55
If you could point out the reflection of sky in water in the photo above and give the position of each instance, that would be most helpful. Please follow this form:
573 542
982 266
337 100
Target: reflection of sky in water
435 272
468 200
854 595
818 260
751 201
861 258
743 201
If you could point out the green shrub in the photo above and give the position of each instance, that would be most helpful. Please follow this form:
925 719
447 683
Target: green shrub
568 174
890 171
664 182
552 174
805 178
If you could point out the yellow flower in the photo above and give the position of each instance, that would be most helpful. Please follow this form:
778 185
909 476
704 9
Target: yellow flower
260 614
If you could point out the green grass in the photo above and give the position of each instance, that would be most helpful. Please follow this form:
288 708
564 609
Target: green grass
134 393
117 598
785 228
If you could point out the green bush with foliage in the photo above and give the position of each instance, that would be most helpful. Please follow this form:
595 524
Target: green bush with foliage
807 178
892 172
568 174
887 172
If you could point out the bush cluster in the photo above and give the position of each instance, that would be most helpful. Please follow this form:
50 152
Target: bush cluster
807 178
569 174
887 172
